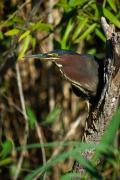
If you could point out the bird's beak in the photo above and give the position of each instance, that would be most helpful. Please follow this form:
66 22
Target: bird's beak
44 56
37 56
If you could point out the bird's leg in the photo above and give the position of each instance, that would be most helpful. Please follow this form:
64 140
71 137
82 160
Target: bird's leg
86 129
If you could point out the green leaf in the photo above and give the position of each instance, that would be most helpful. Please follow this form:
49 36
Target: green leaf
52 162
91 51
24 35
99 148
12 32
6 148
74 3
24 46
82 146
5 161
41 26
66 34
64 4
96 15
112 5
109 135
86 33
106 143
100 35
86 164
1 35
52 116
111 17
69 176
75 153
79 28
31 117
33 42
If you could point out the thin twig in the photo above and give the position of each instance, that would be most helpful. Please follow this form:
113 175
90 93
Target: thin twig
50 47
39 132
19 82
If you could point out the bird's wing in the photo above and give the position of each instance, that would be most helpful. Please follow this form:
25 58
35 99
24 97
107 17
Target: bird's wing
81 70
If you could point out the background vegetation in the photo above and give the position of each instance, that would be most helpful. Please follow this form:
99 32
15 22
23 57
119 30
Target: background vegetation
36 105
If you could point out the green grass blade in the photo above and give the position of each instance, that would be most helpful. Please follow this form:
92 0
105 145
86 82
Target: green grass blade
111 17
109 135
68 176
86 33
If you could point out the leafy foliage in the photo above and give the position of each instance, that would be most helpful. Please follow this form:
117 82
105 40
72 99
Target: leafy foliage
7 147
103 148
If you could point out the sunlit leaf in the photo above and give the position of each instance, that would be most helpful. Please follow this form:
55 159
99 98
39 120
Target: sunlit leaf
41 26
12 32
79 28
24 46
24 35
66 34
92 51
111 17
87 32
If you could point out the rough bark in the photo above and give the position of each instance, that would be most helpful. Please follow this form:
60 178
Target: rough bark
110 96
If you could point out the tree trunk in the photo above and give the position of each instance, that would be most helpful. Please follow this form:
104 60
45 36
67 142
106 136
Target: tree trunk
110 96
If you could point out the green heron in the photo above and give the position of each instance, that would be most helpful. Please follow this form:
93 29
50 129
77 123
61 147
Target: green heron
84 72
81 70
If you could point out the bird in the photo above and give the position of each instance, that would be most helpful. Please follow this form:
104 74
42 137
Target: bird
81 70
85 73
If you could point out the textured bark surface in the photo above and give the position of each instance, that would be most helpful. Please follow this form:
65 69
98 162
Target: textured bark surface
110 97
